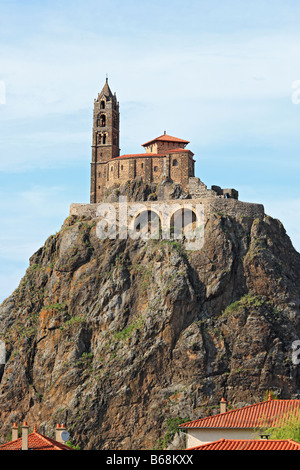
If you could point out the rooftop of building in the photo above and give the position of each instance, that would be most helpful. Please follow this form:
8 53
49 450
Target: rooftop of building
36 441
151 155
249 444
264 414
166 138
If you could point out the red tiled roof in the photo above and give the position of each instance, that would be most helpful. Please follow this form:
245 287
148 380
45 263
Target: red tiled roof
249 444
166 138
263 414
36 441
138 155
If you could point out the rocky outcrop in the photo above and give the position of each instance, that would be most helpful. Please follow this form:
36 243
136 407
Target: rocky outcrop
118 339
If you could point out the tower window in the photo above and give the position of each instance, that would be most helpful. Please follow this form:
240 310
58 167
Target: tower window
102 104
104 139
142 165
111 168
121 167
175 162
155 168
102 120
100 174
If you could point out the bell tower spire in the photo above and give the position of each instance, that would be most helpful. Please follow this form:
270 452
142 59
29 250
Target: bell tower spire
106 128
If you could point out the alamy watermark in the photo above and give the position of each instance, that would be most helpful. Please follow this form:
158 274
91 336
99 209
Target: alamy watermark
296 93
296 352
2 353
159 220
2 92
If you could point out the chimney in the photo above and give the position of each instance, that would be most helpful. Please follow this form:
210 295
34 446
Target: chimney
59 429
25 433
14 432
223 405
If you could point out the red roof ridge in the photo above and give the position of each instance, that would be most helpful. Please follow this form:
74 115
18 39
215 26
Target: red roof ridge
167 138
237 411
35 435
149 155
249 444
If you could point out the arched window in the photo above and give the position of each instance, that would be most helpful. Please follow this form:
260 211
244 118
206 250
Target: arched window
111 168
175 162
102 104
104 139
100 174
155 168
102 120
121 167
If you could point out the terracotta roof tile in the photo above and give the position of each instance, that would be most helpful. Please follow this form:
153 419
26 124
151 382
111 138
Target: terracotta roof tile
150 155
267 413
36 441
166 138
249 444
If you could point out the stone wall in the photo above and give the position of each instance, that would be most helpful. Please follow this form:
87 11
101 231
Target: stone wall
222 206
197 188
176 166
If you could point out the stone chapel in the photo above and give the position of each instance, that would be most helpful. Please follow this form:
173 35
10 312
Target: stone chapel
163 157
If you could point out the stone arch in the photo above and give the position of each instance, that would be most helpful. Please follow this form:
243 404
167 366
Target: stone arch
183 221
146 224
102 120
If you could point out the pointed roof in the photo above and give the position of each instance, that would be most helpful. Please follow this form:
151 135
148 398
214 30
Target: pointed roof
36 441
166 138
264 414
106 91
249 444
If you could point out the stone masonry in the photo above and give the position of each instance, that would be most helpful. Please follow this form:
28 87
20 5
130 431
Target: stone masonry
166 163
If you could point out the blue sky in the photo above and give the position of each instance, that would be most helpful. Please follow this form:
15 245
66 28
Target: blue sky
217 73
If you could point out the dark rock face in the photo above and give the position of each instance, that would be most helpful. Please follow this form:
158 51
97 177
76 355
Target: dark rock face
115 337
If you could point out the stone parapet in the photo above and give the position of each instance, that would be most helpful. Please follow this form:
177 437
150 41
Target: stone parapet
227 207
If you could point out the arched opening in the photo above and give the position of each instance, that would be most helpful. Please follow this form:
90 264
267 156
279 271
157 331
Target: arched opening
155 168
102 104
183 222
102 120
175 162
147 224
104 139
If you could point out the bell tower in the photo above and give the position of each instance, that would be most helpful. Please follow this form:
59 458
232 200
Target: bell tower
106 128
